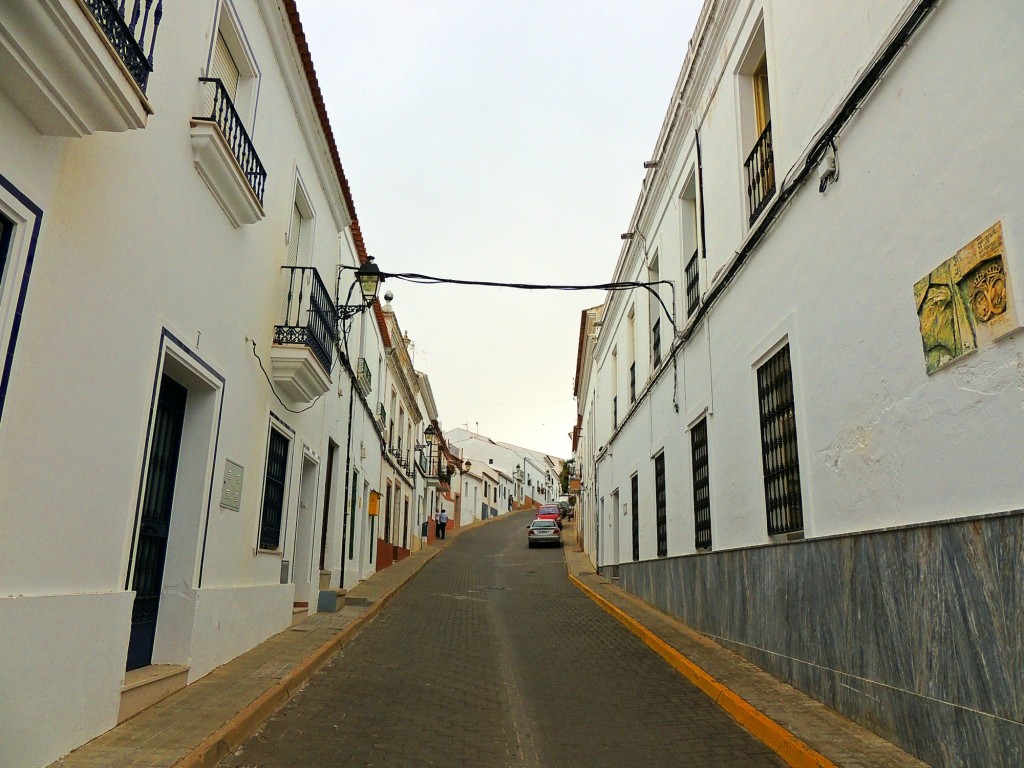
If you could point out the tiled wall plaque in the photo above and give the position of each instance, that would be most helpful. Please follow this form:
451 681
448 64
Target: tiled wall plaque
965 303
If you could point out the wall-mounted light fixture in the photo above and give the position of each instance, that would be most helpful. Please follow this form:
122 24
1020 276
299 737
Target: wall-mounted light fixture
369 278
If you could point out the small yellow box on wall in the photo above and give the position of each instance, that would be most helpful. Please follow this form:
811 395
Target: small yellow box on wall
374 504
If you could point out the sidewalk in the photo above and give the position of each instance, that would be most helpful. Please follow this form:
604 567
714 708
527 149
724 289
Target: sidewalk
803 731
199 725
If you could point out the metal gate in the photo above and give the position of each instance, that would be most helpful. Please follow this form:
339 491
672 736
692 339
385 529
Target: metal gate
156 520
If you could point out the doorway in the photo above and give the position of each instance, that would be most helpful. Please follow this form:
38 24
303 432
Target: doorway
155 522
302 556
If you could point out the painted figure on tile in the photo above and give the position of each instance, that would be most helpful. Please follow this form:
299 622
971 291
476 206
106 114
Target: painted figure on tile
965 302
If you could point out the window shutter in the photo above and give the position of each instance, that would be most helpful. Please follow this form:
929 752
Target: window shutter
224 68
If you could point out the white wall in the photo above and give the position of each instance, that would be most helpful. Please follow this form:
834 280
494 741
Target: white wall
835 278
139 270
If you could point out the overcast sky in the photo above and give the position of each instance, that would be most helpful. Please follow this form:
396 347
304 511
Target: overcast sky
497 141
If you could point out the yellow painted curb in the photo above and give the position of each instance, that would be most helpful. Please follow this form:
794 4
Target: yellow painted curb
777 738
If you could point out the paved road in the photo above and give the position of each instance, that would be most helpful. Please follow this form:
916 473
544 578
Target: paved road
490 657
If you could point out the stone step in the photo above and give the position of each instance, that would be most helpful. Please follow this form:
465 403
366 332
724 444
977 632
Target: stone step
145 686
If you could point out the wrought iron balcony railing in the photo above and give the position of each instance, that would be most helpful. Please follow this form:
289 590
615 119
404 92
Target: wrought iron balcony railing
363 376
308 314
127 34
382 415
221 111
760 167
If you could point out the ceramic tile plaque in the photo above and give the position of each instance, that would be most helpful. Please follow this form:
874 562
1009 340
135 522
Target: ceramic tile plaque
965 303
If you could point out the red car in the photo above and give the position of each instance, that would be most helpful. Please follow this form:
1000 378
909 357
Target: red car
549 512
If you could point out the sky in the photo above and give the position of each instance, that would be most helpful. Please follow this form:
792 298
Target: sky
499 141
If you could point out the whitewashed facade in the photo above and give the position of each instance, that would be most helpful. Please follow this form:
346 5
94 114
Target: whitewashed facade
534 474
173 381
835 196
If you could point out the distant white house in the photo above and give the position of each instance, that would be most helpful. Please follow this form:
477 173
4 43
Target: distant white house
534 474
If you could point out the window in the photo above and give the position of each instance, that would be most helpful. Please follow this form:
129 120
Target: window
300 229
232 62
223 67
701 485
778 444
690 244
6 231
615 388
756 128
634 488
692 284
660 504
274 490
631 349
654 310
20 221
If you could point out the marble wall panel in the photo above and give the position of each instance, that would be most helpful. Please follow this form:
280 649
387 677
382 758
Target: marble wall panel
915 632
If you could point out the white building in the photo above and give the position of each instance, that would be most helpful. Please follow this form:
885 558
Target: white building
819 465
535 474
399 530
189 444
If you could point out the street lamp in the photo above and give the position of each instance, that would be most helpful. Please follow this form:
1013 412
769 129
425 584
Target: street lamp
369 278
429 435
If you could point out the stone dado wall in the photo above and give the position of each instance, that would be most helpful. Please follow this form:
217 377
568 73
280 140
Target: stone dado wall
917 633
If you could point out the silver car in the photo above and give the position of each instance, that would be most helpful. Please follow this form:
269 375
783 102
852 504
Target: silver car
543 532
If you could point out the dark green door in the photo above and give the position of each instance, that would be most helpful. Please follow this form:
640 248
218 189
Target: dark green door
156 520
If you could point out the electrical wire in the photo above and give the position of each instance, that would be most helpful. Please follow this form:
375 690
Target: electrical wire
282 402
627 285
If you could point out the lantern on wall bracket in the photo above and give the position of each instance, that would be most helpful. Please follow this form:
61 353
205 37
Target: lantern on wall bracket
368 278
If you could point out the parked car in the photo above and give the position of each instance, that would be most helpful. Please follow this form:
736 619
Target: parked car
543 532
549 512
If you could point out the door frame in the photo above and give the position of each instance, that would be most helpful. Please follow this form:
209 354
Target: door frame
193 496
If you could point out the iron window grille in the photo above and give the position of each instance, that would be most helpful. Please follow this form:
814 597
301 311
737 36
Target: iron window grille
661 504
779 444
760 165
615 412
273 491
223 114
692 284
656 342
632 383
128 37
701 485
635 514
309 314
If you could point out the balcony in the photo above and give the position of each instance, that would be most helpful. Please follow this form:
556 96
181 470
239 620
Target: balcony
364 379
75 67
303 350
225 156
382 415
760 167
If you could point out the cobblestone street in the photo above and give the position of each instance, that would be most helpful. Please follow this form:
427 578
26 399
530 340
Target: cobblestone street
490 657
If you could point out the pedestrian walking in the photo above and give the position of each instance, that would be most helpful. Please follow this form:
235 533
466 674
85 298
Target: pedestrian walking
442 523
